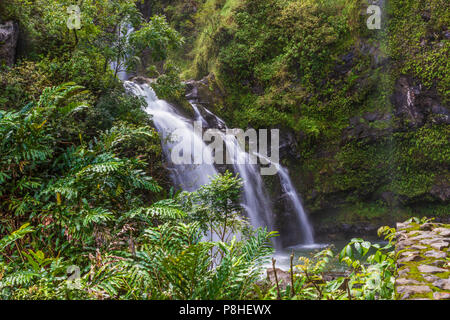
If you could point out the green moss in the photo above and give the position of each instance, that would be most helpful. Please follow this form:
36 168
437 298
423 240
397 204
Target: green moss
416 42
283 64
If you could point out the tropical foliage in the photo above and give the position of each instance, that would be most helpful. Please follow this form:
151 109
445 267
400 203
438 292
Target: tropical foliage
370 275
87 210
75 209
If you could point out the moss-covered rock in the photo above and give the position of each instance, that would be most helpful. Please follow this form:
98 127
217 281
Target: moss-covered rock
367 110
423 260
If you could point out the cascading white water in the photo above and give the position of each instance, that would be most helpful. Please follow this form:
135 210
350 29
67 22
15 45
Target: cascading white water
198 115
288 188
190 177
118 66
291 192
256 200
167 121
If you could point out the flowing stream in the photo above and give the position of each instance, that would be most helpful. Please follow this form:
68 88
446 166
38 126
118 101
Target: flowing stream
256 202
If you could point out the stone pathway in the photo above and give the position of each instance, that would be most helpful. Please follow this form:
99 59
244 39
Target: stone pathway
423 261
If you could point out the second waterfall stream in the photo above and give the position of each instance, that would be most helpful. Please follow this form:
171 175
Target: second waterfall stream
255 200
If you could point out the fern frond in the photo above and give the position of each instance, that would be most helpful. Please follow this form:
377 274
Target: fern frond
16 235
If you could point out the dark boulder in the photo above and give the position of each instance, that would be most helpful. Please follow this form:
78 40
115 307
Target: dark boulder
405 100
370 126
191 88
288 145
414 105
142 80
441 190
371 116
389 198
426 16
9 34
440 114
204 92
446 34
345 64
341 230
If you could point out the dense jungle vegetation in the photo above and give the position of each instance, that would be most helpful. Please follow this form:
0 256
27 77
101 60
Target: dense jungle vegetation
85 194
315 70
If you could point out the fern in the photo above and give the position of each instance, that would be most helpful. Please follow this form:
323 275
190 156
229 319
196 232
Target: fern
19 279
16 235
96 215
93 203
239 268
57 95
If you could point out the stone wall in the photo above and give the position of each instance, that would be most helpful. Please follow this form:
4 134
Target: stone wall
423 262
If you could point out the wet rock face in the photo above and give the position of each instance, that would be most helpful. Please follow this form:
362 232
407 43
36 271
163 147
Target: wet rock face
142 80
414 105
204 92
191 89
422 261
405 102
286 221
441 190
336 230
371 126
288 145
9 34
346 64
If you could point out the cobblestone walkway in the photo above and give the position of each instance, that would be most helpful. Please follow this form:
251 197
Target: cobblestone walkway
423 261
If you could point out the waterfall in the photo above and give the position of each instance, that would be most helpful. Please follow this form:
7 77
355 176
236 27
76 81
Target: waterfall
256 202
288 188
291 192
118 66
198 115
168 121
177 130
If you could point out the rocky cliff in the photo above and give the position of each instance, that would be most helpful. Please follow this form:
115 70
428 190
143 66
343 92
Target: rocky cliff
9 34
